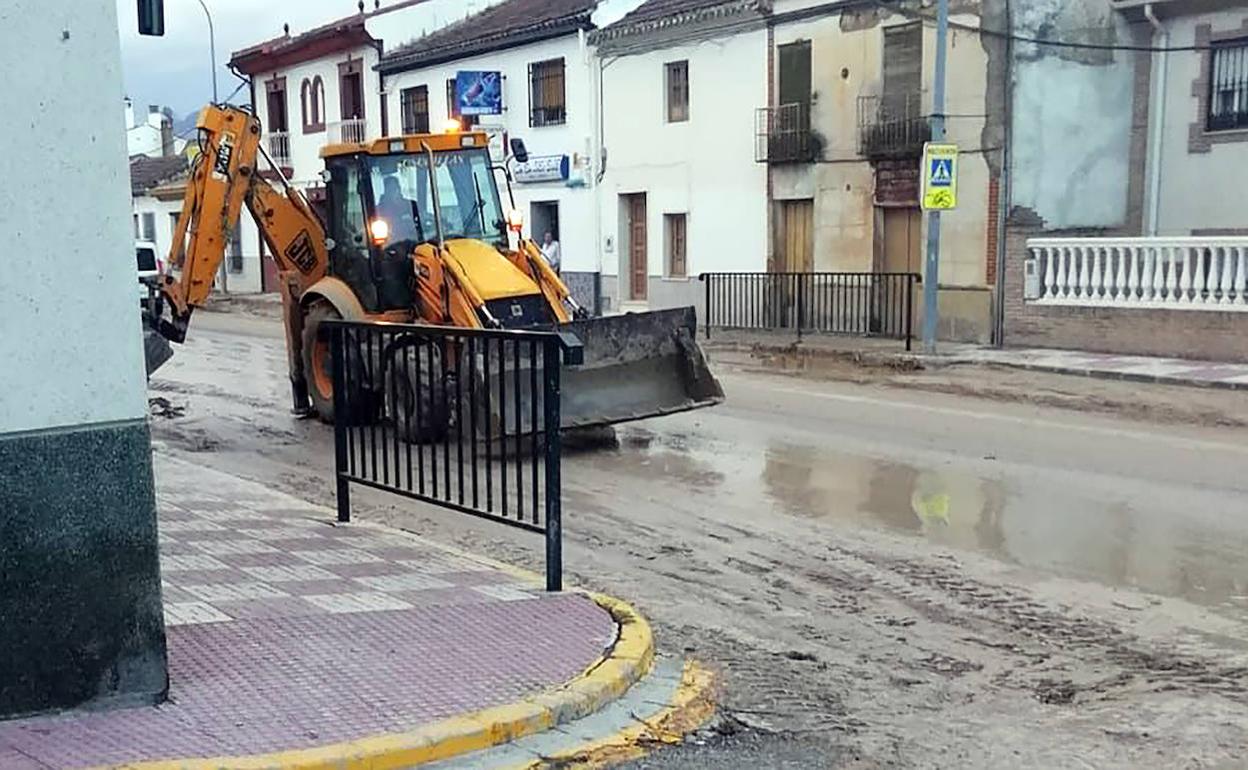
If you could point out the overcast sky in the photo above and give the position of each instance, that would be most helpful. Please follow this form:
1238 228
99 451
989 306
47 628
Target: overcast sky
174 70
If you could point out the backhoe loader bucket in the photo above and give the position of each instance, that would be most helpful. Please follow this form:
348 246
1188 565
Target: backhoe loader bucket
636 365
156 349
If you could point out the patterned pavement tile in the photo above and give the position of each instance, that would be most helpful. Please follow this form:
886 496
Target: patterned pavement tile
224 547
182 563
236 591
182 613
338 556
289 574
402 582
363 601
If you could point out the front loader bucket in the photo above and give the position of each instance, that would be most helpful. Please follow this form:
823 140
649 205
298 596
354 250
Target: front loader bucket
636 365
156 349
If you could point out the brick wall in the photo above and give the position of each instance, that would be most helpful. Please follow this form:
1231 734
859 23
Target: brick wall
994 209
1178 333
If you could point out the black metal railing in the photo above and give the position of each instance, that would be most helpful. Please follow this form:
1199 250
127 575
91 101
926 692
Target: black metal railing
465 419
869 304
783 135
892 126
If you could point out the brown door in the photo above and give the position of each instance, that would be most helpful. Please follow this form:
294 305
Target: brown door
794 254
902 228
637 263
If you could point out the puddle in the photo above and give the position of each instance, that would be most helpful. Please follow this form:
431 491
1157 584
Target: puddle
1168 541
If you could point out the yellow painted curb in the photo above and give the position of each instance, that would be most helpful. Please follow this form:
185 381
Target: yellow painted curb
691 707
628 660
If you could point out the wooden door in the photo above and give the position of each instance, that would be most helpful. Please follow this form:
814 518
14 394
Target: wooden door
902 231
637 262
795 243
794 253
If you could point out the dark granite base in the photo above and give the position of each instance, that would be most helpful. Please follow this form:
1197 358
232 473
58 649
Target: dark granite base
80 607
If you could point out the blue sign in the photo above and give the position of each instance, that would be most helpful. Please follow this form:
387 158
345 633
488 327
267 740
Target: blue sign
479 93
941 173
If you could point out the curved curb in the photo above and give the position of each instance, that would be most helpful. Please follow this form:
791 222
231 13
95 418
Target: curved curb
629 659
691 706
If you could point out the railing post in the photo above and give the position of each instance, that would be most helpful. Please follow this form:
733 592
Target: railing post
706 290
909 309
554 453
801 305
337 342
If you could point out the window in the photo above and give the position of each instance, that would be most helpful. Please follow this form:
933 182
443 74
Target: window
1228 86
677 91
903 68
414 104
149 226
137 232
674 225
452 107
546 93
312 104
275 101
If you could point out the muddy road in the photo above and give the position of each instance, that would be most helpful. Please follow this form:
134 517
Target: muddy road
884 576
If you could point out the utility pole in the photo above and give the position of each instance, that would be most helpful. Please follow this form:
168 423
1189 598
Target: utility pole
931 272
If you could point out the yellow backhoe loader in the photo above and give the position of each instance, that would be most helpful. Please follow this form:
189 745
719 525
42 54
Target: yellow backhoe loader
413 232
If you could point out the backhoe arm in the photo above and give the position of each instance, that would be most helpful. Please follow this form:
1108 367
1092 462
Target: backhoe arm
224 178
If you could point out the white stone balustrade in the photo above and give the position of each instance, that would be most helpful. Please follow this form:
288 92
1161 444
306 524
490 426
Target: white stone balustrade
279 148
347 131
1165 273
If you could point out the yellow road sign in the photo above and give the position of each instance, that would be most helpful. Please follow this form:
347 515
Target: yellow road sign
940 176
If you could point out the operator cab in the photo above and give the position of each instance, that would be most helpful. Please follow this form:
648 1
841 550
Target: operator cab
381 207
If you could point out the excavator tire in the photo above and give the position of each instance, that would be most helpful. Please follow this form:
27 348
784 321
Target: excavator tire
319 371
416 394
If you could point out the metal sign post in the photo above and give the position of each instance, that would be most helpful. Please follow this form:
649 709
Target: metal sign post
931 273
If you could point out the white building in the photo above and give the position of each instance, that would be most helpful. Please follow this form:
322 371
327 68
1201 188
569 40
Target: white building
681 191
80 582
153 135
540 52
157 187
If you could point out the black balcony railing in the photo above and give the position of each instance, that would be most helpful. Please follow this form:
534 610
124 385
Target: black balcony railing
892 126
867 304
783 135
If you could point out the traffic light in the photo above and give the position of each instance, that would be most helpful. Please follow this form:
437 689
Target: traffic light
152 17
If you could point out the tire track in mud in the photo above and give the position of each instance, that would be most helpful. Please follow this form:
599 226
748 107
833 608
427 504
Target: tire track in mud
944 596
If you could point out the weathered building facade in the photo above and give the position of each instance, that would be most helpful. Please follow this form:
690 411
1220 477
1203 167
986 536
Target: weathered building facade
1128 230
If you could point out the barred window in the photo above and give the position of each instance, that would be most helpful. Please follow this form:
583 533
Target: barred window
547 105
414 104
677 91
1228 86
676 255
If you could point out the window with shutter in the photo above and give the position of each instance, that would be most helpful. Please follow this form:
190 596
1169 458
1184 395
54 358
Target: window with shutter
903 71
676 252
547 106
415 108
677 76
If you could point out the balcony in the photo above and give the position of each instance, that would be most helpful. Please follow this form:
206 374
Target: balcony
892 126
348 131
278 146
1160 273
783 135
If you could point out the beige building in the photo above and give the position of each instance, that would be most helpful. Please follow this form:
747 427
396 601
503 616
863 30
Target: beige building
843 134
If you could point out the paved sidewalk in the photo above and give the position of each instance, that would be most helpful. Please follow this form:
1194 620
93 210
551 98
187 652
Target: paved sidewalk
288 632
1174 371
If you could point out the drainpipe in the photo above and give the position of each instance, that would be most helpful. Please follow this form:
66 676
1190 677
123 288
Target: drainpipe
1162 36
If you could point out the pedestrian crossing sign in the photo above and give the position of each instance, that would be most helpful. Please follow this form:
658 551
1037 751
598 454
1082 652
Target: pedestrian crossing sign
940 176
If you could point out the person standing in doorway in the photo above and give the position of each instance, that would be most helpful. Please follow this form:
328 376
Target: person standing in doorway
550 250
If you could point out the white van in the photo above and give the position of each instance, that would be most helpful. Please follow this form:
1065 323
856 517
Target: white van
149 267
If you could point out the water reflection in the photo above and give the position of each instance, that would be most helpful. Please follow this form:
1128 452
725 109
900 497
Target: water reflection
1115 533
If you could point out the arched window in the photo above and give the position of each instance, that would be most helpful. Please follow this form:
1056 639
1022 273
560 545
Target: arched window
318 103
305 93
